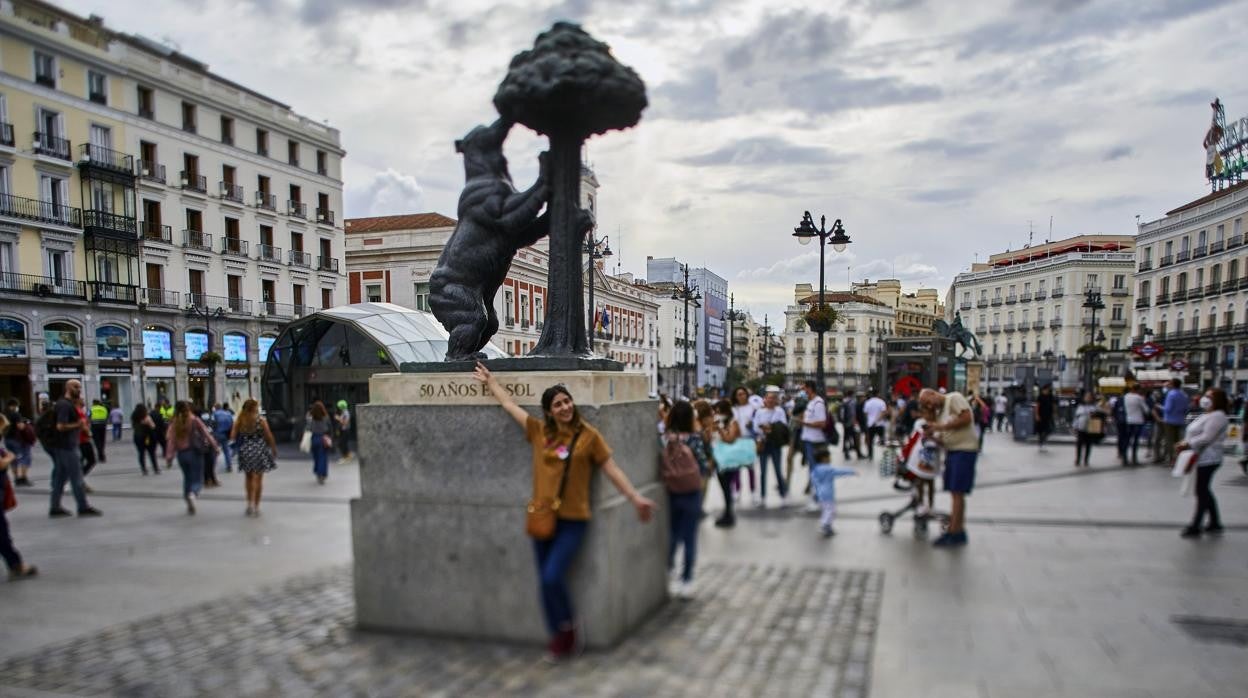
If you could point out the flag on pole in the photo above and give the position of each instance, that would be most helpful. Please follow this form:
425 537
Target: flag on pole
606 319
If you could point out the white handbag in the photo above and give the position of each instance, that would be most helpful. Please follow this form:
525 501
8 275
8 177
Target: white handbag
305 443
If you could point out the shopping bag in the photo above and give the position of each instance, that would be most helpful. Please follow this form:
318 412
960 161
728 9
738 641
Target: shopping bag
305 443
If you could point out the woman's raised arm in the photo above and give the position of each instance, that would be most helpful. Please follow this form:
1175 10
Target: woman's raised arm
484 377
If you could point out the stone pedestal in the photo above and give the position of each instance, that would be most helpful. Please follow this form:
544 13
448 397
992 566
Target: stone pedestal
438 531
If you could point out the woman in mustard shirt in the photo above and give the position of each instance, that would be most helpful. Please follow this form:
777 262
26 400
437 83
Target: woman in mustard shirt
562 440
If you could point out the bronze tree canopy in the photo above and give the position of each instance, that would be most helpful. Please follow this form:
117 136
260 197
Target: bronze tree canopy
568 87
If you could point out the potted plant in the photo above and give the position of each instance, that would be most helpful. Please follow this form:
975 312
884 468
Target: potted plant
821 320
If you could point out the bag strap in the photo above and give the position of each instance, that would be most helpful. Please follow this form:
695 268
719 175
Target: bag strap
563 479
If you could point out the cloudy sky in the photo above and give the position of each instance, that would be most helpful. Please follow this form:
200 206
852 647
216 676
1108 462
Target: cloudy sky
937 131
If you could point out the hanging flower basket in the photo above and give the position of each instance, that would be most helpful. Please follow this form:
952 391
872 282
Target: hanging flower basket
821 320
210 358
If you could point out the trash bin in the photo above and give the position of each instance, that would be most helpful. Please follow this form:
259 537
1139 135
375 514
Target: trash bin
1024 422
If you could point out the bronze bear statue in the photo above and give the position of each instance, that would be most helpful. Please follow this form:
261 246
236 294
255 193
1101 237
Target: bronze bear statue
495 221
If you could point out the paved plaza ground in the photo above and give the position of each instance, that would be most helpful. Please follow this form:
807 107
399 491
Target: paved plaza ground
1075 583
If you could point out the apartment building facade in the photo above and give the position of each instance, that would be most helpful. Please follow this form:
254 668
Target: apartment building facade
150 211
1026 307
916 312
1191 288
852 349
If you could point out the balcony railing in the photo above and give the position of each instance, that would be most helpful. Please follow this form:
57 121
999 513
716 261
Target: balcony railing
1024 297
160 298
266 201
1119 291
1166 260
1213 289
326 216
1037 325
327 264
42 211
296 208
966 305
1009 327
1141 302
106 158
322 170
1162 299
283 310
997 300
234 246
109 224
146 112
45 80
1058 292
42 286
1229 285
196 240
1216 247
231 191
1146 265
47 144
236 306
1118 323
300 258
1182 256
269 253
994 328
1011 299
154 231
981 329
981 303
1234 241
151 171
6 134
1179 296
106 292
1055 323
1041 294
1208 331
1243 283
194 182
1200 251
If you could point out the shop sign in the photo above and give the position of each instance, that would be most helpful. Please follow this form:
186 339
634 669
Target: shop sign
65 369
159 371
62 342
197 371
1147 351
196 345
112 342
234 348
157 345
236 373
12 339
116 370
1178 365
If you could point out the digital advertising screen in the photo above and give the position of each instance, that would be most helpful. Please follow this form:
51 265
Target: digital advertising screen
234 347
196 345
263 345
157 345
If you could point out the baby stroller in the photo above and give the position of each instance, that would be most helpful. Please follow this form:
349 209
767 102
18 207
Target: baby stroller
916 474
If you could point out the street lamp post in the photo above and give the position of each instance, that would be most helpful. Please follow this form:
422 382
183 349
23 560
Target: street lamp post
197 311
804 233
1092 301
882 350
687 295
766 347
596 249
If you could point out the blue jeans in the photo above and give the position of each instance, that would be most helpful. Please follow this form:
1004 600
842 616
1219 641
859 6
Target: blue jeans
320 456
223 440
117 431
772 453
192 464
808 450
20 451
554 557
686 512
67 467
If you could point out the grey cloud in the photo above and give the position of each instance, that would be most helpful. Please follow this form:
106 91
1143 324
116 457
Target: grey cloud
317 12
876 7
679 206
796 37
760 151
943 196
1118 152
947 147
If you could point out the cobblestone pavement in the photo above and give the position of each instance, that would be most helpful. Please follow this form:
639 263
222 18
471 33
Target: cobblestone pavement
747 633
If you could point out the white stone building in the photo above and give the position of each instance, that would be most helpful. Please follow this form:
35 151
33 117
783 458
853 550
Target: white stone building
1191 287
851 350
1026 308
150 185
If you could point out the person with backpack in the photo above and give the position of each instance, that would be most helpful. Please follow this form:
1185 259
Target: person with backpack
848 415
60 431
19 436
684 464
771 424
144 427
222 424
189 440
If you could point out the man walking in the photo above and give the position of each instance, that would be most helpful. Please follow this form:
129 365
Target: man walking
116 418
99 428
222 423
813 421
1135 408
1045 412
951 423
849 420
66 463
1174 418
874 410
1000 404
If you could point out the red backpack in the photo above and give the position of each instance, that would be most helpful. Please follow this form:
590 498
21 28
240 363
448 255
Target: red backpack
679 467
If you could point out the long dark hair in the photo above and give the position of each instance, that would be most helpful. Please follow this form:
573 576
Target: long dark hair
551 427
680 418
138 415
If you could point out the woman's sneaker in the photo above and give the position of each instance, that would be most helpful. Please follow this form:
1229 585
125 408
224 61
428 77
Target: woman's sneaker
190 504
